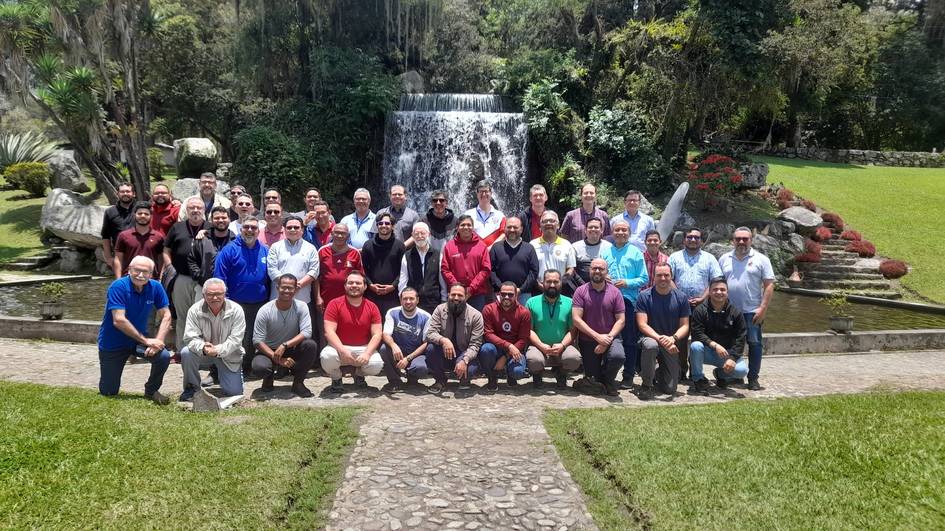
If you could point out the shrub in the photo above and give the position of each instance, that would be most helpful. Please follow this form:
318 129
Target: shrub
863 248
812 247
851 235
809 205
810 258
155 163
28 147
52 291
785 195
833 219
715 176
32 177
837 302
784 204
822 234
893 269
621 151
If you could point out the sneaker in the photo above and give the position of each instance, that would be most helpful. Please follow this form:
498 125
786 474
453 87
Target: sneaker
360 382
646 392
464 384
561 381
627 383
536 382
753 384
267 384
701 387
336 387
301 391
187 395
611 389
393 388
207 382
720 380
513 382
158 398
493 385
436 388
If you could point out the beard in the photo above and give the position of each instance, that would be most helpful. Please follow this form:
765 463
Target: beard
552 293
597 279
456 308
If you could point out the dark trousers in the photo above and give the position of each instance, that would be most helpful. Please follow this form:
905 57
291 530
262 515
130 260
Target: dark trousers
755 346
304 355
112 364
630 336
602 367
383 302
250 309
666 376
415 370
438 364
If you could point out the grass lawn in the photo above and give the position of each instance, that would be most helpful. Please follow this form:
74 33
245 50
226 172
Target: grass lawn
895 208
868 461
70 458
19 224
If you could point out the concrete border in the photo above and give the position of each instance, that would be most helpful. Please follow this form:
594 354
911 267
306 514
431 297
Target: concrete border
923 307
43 280
66 330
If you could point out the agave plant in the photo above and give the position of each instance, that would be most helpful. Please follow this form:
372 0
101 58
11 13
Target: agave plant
27 147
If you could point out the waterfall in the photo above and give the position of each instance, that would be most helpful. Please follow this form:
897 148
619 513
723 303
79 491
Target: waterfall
450 141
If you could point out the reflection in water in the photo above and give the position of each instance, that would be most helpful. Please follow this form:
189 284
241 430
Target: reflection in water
83 300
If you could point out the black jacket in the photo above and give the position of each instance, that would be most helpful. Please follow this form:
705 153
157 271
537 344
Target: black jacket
203 254
727 327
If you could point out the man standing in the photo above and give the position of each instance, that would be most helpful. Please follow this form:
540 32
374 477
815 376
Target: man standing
402 215
282 335
599 314
273 231
554 252
297 257
718 338
574 226
750 280
360 223
335 263
353 332
164 210
271 197
211 199
466 261
628 273
639 222
420 270
318 232
552 332
692 268
663 319
591 247
118 217
123 333
404 347
488 222
213 337
441 220
242 266
455 331
177 248
508 326
652 255
513 261
531 217
237 191
203 252
312 195
244 209
140 240
381 257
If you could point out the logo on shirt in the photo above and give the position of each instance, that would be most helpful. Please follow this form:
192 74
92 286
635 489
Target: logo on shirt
348 263
506 326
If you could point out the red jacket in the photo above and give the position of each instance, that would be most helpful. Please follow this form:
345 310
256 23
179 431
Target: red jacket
504 328
163 217
467 263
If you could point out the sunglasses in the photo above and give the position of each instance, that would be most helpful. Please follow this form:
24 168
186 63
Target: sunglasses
742 239
273 212
693 237
439 200
244 204
251 227
383 223
507 295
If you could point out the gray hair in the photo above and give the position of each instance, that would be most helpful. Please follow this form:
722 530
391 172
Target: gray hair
143 261
619 221
195 199
362 191
742 229
421 224
537 188
210 282
549 214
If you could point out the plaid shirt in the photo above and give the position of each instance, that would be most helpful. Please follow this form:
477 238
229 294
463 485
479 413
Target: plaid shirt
651 266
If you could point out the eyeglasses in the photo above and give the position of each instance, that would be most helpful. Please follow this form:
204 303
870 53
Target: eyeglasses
271 198
693 237
507 295
273 212
214 295
251 227
438 200
742 239
383 223
244 204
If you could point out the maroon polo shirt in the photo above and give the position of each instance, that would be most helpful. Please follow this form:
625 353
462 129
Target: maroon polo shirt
131 244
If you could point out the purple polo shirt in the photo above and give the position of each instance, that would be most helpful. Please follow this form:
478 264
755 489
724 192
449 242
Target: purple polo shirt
600 307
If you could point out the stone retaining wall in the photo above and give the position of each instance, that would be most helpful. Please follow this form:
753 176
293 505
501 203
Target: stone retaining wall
918 159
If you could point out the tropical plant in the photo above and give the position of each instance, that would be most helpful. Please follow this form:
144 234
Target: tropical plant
716 176
822 234
851 235
862 248
31 177
26 147
833 219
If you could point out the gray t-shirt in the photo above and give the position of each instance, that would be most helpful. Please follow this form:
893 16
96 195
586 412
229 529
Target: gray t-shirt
274 326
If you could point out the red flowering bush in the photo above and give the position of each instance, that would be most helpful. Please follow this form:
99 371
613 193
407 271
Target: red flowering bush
851 235
809 205
861 247
784 205
833 219
893 268
785 195
715 176
812 247
822 234
809 258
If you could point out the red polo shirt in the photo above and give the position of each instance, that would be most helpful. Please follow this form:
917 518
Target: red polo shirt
333 268
354 322
131 243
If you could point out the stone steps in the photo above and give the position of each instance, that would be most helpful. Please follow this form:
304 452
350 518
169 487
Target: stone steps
30 263
836 260
845 283
851 274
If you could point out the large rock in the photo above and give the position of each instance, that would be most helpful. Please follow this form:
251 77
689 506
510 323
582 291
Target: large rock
67 217
194 156
794 244
646 207
765 244
720 232
684 221
805 222
754 175
717 249
185 188
64 172
411 82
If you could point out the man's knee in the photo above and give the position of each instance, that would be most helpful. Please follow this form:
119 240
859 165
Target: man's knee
488 354
374 366
231 383
261 365
570 359
330 358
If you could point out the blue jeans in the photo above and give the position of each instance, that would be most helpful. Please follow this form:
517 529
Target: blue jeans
700 354
631 337
112 364
231 382
514 370
438 364
415 370
755 346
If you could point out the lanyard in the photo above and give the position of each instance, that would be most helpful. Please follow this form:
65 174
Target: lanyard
361 221
481 219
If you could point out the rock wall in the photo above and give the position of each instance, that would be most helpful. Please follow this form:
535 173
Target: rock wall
917 159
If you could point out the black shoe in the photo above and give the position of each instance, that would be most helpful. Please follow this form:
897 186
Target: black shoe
720 380
187 395
393 388
464 384
436 388
513 382
753 384
536 381
493 384
561 381
336 387
302 391
646 392
611 389
627 383
701 387
266 384
360 382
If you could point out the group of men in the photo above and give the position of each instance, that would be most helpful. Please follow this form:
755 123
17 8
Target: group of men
415 295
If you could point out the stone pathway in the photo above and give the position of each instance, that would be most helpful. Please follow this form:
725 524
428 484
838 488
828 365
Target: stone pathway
472 459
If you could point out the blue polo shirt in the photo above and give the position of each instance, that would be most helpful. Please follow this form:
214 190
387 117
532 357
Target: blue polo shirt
123 296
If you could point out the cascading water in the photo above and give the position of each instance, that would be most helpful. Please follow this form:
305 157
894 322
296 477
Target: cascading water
451 141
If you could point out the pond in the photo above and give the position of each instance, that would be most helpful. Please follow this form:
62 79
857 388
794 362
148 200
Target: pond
789 312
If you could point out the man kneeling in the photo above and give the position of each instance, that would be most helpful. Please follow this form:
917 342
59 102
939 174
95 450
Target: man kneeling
213 337
283 338
718 339
353 332
404 348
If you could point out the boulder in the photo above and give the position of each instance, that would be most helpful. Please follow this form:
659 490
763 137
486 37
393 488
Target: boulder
411 82
717 249
68 218
782 228
677 240
646 207
223 171
868 264
70 260
194 156
794 244
684 221
805 222
64 172
185 188
720 232
765 244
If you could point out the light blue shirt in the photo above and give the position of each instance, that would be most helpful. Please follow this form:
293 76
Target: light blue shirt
746 278
639 225
692 273
626 263
299 259
359 230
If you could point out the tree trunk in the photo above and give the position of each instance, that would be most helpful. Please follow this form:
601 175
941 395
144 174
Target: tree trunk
304 50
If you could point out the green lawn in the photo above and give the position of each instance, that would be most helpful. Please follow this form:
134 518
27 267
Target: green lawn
895 208
868 461
19 224
72 459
